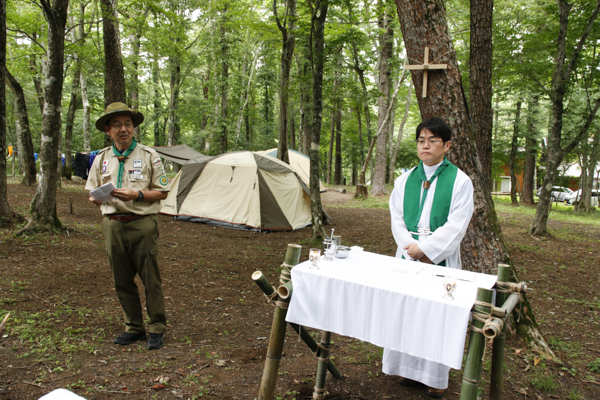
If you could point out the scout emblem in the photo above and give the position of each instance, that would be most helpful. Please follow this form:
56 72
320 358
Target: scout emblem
137 163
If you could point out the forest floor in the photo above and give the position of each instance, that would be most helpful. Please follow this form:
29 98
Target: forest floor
65 314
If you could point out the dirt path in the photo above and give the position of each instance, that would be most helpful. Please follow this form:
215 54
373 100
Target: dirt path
64 313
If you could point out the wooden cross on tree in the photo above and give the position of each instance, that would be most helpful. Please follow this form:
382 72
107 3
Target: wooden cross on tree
426 67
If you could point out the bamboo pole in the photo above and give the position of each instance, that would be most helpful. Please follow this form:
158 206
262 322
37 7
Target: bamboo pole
499 340
472 373
495 325
323 357
268 290
277 338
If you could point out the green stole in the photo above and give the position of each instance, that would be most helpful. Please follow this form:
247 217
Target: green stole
121 158
413 204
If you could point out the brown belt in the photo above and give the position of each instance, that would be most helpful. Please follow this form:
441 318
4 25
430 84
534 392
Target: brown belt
125 217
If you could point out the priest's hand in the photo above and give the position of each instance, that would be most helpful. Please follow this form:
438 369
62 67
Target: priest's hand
414 251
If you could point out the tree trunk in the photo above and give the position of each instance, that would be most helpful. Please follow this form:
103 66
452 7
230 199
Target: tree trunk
173 135
318 62
224 84
114 76
73 105
560 81
292 121
43 207
156 103
423 24
513 155
243 97
26 158
84 88
134 54
337 175
6 212
480 79
37 82
305 101
530 152
331 145
287 52
360 139
394 156
386 46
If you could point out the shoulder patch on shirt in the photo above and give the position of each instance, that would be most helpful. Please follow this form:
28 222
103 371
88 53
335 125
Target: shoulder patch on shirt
157 162
164 180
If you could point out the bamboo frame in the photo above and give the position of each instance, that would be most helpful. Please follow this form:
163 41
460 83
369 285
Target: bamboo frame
323 357
472 372
276 340
499 341
268 290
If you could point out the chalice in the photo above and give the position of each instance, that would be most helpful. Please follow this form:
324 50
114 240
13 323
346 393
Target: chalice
314 255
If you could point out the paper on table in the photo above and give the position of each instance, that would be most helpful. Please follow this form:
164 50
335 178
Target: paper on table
458 274
103 193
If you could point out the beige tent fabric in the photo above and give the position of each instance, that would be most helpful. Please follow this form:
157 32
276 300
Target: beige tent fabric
213 197
294 203
241 190
299 162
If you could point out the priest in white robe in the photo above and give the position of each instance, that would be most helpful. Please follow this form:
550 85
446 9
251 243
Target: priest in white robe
431 207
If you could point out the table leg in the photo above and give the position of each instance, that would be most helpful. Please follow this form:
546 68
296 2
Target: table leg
323 362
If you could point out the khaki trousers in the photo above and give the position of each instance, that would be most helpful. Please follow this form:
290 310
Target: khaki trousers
132 248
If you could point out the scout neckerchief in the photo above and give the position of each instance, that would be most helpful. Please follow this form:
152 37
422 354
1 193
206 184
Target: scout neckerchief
121 158
413 205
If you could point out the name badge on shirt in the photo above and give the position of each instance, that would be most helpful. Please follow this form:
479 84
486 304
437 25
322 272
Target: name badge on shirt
137 163
135 175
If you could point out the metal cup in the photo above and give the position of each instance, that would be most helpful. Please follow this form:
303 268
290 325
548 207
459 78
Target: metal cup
329 247
338 240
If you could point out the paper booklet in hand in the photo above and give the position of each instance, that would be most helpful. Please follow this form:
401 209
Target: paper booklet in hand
102 193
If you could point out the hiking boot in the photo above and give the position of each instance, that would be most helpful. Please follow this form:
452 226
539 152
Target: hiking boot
155 341
126 338
434 393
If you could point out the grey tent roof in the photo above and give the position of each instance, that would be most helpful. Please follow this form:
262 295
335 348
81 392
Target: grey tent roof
179 154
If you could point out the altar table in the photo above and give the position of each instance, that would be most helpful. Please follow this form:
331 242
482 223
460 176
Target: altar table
389 302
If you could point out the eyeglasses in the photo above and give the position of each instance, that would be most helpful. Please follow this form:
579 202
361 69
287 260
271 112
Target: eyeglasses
118 126
432 142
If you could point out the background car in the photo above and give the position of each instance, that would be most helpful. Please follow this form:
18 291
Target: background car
559 193
570 199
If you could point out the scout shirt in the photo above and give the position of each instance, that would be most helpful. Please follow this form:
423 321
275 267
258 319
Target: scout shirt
143 170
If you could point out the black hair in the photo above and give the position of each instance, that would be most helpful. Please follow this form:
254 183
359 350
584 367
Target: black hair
437 126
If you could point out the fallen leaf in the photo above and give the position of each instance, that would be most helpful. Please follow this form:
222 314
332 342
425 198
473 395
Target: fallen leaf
158 386
536 361
220 363
527 368
522 391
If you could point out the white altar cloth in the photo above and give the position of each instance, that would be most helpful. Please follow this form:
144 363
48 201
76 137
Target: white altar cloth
388 301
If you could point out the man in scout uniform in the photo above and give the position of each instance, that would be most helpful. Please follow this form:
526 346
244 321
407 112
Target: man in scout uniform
130 225
431 207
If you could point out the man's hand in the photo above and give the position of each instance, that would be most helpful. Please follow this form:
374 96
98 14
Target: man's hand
96 202
125 194
414 251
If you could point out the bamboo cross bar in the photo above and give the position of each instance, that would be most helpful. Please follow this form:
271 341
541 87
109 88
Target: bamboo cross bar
426 67
495 325
472 373
498 346
268 290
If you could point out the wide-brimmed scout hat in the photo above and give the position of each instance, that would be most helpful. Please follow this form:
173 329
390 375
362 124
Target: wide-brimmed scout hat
116 109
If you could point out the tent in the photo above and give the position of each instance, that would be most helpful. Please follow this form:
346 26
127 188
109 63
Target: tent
240 190
179 154
300 162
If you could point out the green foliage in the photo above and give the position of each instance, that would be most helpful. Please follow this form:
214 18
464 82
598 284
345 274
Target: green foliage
594 366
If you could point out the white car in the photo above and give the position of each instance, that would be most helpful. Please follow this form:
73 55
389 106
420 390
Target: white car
570 199
559 193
